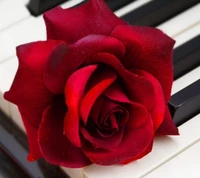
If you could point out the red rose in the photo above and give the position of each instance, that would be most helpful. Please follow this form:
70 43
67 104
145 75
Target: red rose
96 91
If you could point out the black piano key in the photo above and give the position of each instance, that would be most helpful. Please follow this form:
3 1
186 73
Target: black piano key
37 7
185 104
14 143
8 168
157 11
116 4
186 57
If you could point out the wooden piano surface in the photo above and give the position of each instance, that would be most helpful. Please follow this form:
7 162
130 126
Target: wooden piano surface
171 156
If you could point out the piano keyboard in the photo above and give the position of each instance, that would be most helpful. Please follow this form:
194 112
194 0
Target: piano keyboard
171 156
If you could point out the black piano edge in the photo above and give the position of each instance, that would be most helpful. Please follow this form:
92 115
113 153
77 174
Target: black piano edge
11 131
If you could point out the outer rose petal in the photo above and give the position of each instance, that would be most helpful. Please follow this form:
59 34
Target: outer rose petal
93 17
74 92
32 134
55 147
148 49
66 59
28 90
167 127
158 110
133 144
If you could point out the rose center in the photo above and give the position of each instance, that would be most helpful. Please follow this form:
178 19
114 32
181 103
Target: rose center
112 121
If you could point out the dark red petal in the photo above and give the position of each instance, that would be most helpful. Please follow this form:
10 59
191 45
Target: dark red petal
137 115
167 127
66 59
158 110
96 110
138 88
148 49
93 17
74 92
54 145
133 144
116 93
32 133
109 108
90 98
28 90
103 142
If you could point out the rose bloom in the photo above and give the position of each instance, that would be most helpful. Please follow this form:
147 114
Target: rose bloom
96 91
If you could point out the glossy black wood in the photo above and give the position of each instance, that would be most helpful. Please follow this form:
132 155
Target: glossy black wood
157 11
186 57
37 7
116 4
186 103
14 143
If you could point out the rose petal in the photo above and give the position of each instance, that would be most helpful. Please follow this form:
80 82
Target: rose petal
133 144
55 147
96 110
148 49
137 115
137 88
167 127
158 110
74 92
93 17
110 108
28 90
32 133
103 142
66 59
88 101
116 93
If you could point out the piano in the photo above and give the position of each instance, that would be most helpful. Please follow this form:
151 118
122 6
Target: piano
172 156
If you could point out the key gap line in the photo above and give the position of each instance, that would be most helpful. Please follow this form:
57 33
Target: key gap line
189 27
15 23
6 59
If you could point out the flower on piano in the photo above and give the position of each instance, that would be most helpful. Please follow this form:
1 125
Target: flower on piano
96 91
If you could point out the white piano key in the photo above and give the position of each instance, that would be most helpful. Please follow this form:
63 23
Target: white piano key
184 165
31 29
186 80
130 7
12 12
187 35
182 22
7 71
165 148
